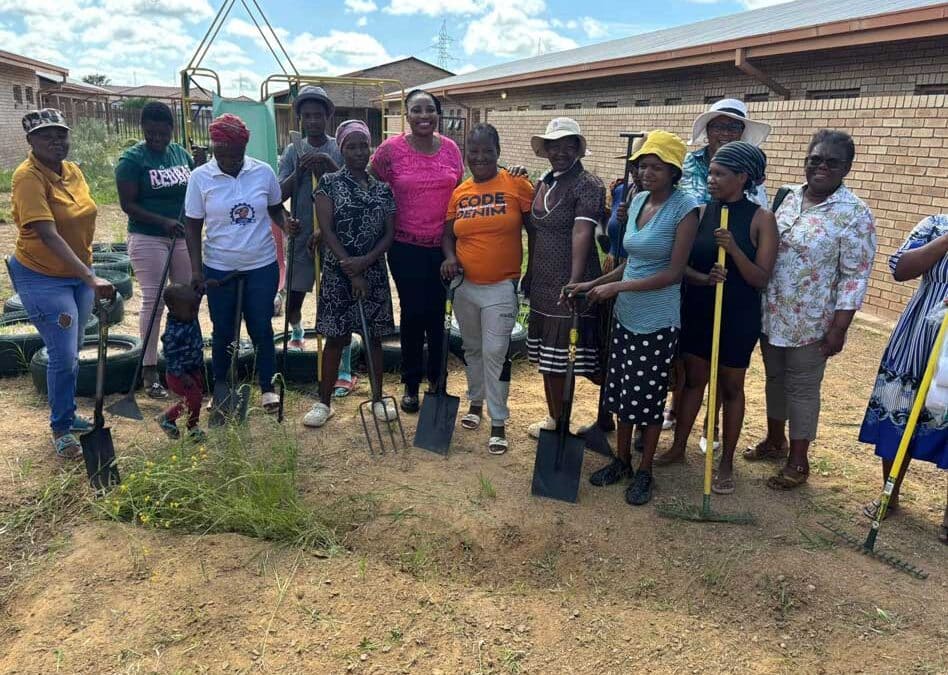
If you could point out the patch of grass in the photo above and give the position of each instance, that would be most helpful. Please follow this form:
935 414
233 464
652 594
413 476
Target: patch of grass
510 660
229 484
417 561
97 152
6 180
485 488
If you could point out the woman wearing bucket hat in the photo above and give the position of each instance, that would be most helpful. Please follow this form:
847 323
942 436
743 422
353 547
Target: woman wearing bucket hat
663 221
725 121
568 205
50 268
423 167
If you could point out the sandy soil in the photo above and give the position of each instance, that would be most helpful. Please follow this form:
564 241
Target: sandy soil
447 579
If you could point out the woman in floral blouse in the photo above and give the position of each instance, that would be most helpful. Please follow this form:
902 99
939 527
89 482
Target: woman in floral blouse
827 243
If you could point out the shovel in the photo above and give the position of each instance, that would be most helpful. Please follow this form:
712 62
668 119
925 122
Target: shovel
439 410
704 513
127 406
279 378
230 399
559 460
98 452
367 408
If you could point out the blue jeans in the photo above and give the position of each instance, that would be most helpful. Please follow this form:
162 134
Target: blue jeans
59 307
260 285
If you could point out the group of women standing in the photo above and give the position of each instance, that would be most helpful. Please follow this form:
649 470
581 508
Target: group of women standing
793 277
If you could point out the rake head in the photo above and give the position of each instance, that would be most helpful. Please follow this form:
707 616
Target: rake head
374 410
701 514
888 558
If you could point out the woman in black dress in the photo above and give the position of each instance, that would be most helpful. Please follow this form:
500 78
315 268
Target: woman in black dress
751 246
356 214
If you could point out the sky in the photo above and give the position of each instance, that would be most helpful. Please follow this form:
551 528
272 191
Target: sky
149 41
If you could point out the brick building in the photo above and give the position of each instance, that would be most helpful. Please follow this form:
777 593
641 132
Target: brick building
19 93
876 68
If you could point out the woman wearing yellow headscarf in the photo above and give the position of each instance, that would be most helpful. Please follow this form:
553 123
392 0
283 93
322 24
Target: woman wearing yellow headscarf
663 221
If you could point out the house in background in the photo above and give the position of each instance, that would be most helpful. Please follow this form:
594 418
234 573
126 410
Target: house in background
19 93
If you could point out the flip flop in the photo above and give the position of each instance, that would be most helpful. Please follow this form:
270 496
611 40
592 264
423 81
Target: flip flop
471 421
497 445
723 486
784 481
870 509
343 388
270 402
763 450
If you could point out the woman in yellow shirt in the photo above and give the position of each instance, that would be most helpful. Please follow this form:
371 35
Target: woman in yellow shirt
51 267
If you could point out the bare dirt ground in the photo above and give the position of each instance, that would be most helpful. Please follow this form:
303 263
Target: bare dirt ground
460 570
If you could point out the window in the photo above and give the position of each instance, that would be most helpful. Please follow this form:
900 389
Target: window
548 106
643 102
521 108
573 106
607 104
713 98
476 116
17 94
930 89
29 95
760 97
507 109
827 94
673 100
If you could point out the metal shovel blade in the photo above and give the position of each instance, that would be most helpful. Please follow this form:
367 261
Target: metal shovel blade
98 452
597 441
436 421
558 465
126 407
229 405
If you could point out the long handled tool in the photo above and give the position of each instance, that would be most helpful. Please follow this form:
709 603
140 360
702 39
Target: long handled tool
231 399
439 410
868 547
595 437
319 276
279 379
559 460
127 406
704 513
98 452
378 405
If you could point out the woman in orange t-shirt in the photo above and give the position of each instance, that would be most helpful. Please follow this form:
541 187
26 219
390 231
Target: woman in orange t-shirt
483 237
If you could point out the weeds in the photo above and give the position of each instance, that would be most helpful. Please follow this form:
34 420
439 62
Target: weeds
6 180
510 660
485 488
229 484
97 154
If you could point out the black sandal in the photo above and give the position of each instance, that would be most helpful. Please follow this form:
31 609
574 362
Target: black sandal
410 403
611 473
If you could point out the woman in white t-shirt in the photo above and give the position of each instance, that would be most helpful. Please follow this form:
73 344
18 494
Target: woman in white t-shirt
234 199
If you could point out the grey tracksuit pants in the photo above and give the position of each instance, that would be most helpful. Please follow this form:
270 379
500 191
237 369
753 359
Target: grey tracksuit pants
486 314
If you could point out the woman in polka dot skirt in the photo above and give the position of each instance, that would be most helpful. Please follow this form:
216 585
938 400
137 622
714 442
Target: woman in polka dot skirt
663 221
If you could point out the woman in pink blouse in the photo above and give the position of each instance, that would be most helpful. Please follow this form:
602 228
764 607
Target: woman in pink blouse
826 246
423 168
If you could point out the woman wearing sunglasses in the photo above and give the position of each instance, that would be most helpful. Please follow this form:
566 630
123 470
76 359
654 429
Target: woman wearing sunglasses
826 247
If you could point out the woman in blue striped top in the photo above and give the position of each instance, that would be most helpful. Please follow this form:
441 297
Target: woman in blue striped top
663 221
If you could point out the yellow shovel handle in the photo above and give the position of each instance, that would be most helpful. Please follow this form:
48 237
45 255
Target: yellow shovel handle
715 352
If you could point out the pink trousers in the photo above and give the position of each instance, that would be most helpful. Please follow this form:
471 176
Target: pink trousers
148 255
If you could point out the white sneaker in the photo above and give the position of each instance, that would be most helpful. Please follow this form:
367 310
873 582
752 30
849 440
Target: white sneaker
668 421
703 444
384 411
534 429
318 415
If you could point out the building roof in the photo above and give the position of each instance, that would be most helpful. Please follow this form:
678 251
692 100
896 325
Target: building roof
368 71
156 91
33 64
762 32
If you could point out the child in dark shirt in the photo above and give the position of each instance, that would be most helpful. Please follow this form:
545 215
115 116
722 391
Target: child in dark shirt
183 348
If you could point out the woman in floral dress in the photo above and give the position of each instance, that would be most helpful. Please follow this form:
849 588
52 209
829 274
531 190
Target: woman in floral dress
824 257
924 254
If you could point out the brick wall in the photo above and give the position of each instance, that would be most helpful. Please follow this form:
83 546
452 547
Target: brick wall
901 166
13 147
892 69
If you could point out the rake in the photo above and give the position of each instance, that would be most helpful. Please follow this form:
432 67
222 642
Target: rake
704 514
868 547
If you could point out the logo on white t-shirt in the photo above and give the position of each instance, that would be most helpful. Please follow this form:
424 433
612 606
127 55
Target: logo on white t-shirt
242 214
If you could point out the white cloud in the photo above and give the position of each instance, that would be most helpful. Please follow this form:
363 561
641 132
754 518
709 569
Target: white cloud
189 10
510 31
594 28
570 24
757 4
227 53
340 51
361 6
466 68
433 7
362 22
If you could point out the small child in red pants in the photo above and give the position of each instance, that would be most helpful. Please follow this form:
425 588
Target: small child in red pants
183 348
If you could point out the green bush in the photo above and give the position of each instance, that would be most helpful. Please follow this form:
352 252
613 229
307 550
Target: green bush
6 178
97 153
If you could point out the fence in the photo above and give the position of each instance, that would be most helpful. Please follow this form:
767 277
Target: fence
901 167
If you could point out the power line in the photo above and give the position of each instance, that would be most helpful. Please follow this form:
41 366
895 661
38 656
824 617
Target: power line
443 46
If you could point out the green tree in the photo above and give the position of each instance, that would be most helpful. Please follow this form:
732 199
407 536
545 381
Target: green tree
97 79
